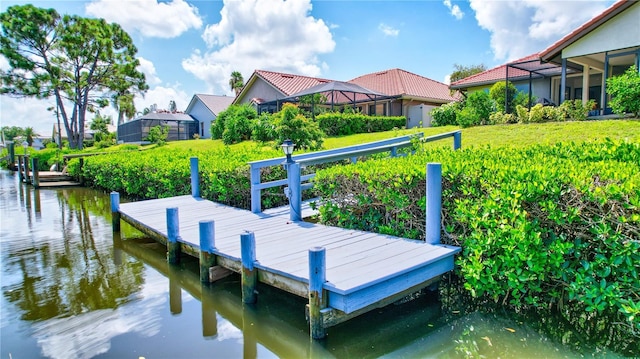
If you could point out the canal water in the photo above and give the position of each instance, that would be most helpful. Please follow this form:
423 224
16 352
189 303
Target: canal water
70 289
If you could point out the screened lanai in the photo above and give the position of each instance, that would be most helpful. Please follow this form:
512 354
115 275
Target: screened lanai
333 95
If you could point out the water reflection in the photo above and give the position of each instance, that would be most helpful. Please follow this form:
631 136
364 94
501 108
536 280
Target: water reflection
72 288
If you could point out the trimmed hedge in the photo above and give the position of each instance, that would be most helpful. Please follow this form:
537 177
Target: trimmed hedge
342 124
538 225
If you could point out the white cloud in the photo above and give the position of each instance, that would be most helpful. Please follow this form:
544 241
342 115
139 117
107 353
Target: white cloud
455 9
521 28
161 95
27 112
388 30
148 17
149 71
260 34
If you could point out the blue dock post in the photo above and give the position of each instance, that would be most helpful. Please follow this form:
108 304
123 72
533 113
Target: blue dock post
173 234
457 140
295 192
434 202
256 193
195 178
115 211
249 273
317 296
207 246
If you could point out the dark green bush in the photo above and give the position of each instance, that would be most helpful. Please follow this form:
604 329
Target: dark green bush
625 92
290 124
237 116
539 226
349 123
445 115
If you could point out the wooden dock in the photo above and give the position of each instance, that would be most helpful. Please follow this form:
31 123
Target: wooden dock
344 273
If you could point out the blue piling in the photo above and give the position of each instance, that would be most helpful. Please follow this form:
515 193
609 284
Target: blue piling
173 235
115 211
317 296
195 177
295 194
434 202
207 246
249 272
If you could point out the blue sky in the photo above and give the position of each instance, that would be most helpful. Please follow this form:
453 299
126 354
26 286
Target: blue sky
189 47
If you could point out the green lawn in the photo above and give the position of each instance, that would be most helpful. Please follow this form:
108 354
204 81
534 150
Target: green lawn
495 136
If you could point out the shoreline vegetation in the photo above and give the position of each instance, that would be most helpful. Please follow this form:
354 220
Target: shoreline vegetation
548 215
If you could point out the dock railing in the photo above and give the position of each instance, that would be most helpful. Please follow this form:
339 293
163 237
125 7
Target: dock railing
297 182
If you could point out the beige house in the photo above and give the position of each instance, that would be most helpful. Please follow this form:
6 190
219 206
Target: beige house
393 92
576 66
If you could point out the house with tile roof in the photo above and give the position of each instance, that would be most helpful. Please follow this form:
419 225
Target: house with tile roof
576 66
205 109
393 92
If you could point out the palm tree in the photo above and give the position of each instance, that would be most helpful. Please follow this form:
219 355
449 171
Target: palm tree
236 82
29 133
123 103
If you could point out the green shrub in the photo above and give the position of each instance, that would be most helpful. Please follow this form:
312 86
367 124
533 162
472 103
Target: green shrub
499 118
576 110
538 226
263 128
237 129
158 135
290 124
350 122
445 115
467 117
482 105
497 93
625 92
237 116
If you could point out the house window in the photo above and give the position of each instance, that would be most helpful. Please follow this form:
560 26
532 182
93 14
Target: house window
372 110
202 129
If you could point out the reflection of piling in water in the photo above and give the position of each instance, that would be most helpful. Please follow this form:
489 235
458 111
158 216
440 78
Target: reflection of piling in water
175 291
209 316
249 343
117 248
37 204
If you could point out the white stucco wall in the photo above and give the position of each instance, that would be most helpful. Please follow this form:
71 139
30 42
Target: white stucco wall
201 113
620 32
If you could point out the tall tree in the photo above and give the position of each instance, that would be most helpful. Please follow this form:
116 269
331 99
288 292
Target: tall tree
462 72
78 61
236 82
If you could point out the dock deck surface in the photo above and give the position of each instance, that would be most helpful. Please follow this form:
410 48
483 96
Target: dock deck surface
362 268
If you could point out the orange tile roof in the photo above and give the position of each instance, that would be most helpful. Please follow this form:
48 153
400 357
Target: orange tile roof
552 51
397 82
493 75
289 84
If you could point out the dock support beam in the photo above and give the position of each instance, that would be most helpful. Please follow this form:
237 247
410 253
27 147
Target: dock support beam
457 140
195 178
173 233
11 149
249 272
20 169
115 211
434 203
207 246
295 192
35 175
25 166
317 295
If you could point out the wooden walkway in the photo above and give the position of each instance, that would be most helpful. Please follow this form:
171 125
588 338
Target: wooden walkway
363 270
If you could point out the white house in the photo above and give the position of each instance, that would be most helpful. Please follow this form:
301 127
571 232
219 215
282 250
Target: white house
205 109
